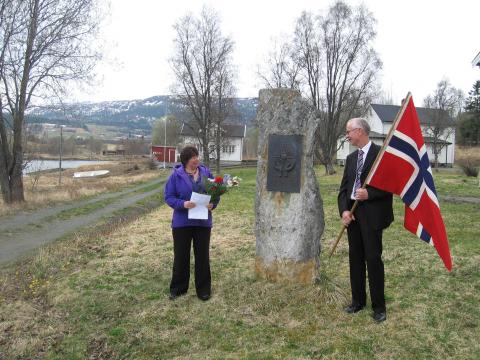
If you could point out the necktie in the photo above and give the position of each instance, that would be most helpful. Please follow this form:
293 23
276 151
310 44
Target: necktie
358 184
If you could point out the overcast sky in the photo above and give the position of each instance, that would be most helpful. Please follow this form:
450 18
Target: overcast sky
419 42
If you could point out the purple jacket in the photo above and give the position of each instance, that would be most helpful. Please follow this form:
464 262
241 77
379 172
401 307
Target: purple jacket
178 189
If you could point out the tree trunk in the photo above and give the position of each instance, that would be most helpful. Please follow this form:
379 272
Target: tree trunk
206 152
16 174
16 183
326 154
11 184
436 161
218 150
329 168
5 186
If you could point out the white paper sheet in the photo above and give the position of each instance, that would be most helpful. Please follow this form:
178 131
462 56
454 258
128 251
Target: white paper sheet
200 211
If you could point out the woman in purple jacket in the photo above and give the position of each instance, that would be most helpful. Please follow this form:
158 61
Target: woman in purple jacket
185 178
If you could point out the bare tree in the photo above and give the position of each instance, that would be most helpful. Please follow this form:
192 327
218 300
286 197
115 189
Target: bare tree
11 24
350 70
136 146
307 46
224 108
282 69
94 145
201 54
49 47
443 106
338 69
168 135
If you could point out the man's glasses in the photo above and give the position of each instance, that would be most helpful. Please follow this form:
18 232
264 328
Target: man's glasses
349 131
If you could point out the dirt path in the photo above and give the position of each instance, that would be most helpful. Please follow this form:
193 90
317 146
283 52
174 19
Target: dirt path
461 199
24 232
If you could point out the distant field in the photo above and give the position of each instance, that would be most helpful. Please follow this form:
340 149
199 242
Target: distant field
105 295
95 130
106 132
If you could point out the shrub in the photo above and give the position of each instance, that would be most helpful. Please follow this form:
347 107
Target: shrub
470 167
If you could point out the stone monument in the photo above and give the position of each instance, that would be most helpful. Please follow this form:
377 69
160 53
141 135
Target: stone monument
288 207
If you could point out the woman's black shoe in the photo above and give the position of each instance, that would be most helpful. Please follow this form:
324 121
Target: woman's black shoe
204 297
353 308
173 296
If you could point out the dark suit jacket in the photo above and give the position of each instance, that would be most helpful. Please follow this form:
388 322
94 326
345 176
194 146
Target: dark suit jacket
378 207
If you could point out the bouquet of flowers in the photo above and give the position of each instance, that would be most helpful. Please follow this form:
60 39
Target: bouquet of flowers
219 185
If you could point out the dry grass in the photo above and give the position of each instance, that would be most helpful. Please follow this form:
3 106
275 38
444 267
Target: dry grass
43 189
105 296
468 159
463 152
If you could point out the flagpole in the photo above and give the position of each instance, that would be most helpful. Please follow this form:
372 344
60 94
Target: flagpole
375 163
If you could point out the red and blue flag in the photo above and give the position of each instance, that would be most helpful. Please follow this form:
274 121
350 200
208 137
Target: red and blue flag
403 168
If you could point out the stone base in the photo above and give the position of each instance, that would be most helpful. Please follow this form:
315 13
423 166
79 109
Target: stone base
287 271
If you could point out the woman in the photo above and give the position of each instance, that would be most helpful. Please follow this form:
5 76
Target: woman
185 178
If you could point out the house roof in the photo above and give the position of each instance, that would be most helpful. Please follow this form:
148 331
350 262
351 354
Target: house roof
376 135
476 60
387 113
231 130
427 139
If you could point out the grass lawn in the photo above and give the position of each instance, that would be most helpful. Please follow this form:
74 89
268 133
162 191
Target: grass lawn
105 295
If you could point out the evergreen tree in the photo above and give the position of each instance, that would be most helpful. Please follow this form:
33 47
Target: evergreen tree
472 103
469 125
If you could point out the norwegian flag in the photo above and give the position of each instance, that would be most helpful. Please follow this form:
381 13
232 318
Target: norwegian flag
403 168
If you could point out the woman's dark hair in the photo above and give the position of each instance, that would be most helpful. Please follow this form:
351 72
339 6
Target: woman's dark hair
187 153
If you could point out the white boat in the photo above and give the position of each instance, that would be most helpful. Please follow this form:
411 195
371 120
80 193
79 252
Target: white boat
90 174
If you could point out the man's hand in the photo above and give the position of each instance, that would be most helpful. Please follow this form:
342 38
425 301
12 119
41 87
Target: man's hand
210 206
361 194
347 218
189 204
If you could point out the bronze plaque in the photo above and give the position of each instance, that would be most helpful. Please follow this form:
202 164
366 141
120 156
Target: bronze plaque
284 163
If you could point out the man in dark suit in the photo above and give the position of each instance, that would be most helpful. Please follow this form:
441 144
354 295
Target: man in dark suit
373 214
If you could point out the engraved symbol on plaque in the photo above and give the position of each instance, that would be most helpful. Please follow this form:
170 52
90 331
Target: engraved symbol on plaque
284 162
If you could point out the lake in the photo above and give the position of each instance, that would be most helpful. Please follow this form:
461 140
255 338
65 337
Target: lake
37 165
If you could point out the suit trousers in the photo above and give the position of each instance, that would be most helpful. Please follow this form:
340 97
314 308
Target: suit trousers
182 243
365 246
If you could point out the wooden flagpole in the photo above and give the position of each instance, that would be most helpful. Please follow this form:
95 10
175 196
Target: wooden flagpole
375 164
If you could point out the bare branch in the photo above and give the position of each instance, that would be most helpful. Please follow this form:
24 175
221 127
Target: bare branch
201 64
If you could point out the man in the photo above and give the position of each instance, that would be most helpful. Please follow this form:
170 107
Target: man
364 227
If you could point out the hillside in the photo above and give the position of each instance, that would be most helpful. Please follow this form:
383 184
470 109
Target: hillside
131 114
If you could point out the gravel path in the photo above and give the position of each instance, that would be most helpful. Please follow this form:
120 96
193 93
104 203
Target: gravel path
22 233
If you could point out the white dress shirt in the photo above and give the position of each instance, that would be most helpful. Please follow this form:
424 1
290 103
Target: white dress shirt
365 152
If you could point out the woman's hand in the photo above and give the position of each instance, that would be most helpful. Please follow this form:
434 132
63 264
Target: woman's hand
189 204
210 206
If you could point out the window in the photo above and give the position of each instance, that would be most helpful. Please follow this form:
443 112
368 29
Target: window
228 149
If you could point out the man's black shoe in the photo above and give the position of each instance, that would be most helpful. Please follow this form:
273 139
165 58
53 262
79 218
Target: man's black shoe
379 316
204 297
351 309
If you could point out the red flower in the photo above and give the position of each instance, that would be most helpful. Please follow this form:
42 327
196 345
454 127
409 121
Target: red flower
218 180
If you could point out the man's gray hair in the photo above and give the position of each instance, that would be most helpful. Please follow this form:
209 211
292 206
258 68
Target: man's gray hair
361 123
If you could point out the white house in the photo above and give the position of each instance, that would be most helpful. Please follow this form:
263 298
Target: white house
232 141
381 117
476 60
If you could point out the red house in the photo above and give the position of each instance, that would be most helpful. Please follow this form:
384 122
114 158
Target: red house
165 153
